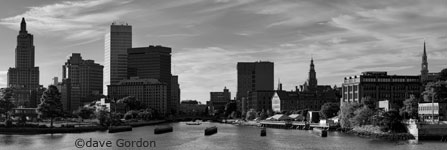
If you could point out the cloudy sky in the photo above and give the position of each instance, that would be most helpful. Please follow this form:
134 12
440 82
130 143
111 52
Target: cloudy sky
209 37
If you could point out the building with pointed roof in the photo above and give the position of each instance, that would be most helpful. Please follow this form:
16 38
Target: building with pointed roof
24 77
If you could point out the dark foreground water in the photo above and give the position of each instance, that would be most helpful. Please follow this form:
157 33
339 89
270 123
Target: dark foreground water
192 137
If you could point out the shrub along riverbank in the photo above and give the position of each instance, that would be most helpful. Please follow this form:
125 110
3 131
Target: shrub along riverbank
375 132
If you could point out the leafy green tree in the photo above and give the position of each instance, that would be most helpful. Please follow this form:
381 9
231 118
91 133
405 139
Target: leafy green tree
84 112
131 103
263 115
6 104
436 91
347 112
369 102
145 115
50 105
269 113
104 116
235 114
329 110
410 108
442 75
362 116
392 121
132 114
229 108
251 114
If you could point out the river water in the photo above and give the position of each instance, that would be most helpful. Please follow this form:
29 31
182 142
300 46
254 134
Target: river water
192 137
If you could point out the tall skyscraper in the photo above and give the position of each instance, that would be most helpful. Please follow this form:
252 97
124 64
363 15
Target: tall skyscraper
25 76
82 81
254 76
153 62
424 66
116 43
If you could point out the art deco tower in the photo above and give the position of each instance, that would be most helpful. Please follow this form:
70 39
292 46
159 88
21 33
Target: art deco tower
25 76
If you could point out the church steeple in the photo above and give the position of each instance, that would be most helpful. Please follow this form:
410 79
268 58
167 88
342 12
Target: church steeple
424 65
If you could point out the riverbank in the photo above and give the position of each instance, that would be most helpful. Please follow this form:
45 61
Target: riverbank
146 123
374 132
242 123
30 130
43 129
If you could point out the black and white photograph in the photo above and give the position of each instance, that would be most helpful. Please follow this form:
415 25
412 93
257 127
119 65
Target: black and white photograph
223 74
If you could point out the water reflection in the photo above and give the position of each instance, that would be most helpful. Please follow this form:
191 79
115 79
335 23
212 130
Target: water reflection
228 137
7 140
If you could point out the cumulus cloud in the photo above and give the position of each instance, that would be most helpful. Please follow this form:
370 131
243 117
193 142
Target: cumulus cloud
345 37
3 81
72 20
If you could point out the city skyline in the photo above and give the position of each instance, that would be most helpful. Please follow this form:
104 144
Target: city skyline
344 37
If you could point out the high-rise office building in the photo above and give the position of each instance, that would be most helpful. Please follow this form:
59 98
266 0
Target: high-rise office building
150 92
116 43
70 95
25 76
152 62
254 76
175 93
85 74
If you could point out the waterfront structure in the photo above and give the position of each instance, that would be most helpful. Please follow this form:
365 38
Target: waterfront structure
103 103
150 92
380 86
276 103
303 100
192 108
384 105
260 100
152 62
287 100
310 96
175 93
86 78
254 76
429 112
24 77
218 100
116 43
